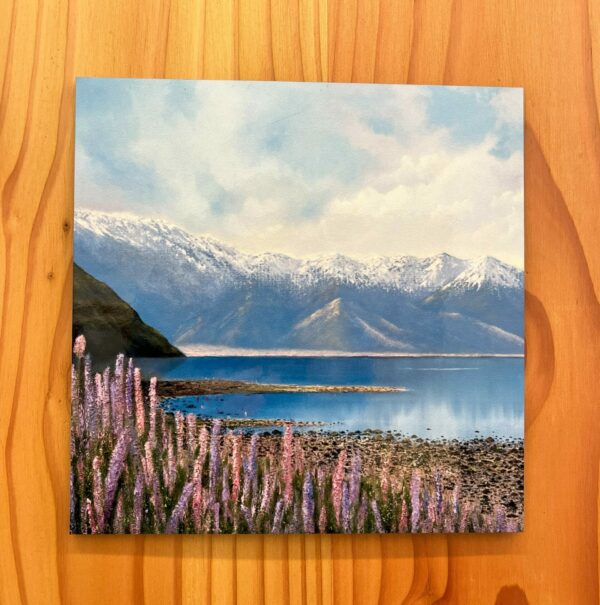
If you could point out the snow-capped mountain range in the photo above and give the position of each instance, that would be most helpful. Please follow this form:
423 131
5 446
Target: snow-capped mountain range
197 290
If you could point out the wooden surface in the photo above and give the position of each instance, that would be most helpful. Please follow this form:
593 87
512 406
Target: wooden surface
551 47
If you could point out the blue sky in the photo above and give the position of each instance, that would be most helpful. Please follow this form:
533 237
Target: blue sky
309 169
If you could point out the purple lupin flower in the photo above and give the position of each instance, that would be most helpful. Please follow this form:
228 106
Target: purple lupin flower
170 470
236 464
377 517
140 419
106 411
439 492
247 512
216 518
288 473
346 508
355 479
115 468
403 524
129 391
191 428
152 415
98 491
117 395
197 492
89 396
337 483
157 503
455 500
179 434
214 461
250 469
323 520
138 493
76 421
225 490
98 403
308 505
415 500
277 517
499 518
179 509
361 516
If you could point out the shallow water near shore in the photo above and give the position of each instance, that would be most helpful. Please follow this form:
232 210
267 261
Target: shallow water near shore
449 397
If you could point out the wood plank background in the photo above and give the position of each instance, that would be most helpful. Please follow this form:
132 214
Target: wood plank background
550 47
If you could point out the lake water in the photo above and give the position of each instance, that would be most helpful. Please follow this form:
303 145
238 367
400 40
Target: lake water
446 397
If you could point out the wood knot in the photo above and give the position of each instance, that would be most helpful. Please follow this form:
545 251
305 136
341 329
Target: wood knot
66 226
512 595
50 275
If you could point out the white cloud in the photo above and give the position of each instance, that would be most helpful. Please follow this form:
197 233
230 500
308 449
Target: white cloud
336 169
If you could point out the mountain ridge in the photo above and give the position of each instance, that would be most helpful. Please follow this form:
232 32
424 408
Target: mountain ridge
195 289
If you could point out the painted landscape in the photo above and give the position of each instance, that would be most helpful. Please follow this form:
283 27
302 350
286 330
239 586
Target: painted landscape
277 332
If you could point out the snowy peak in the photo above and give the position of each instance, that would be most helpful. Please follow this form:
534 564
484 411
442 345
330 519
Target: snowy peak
487 272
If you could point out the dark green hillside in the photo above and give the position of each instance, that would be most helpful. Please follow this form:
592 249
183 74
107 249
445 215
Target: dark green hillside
110 325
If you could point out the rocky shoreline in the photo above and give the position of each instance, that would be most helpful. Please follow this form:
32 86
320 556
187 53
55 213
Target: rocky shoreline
190 388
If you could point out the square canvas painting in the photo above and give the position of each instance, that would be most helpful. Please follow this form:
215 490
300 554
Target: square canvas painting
298 308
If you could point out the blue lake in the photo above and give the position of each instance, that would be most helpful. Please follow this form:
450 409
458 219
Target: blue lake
447 396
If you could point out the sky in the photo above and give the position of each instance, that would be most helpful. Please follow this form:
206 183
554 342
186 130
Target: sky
309 169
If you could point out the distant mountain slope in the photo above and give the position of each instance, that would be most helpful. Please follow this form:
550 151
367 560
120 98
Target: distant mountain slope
110 325
196 290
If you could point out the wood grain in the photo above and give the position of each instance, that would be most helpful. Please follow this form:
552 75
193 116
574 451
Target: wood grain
551 48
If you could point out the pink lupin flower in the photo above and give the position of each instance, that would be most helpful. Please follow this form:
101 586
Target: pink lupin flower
191 428
250 469
377 517
91 516
323 520
337 483
403 525
308 505
277 517
115 468
465 513
439 492
152 412
140 420
98 491
164 429
288 448
415 500
79 346
179 435
138 494
431 513
98 403
236 464
179 509
148 465
118 523
117 395
346 508
355 479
